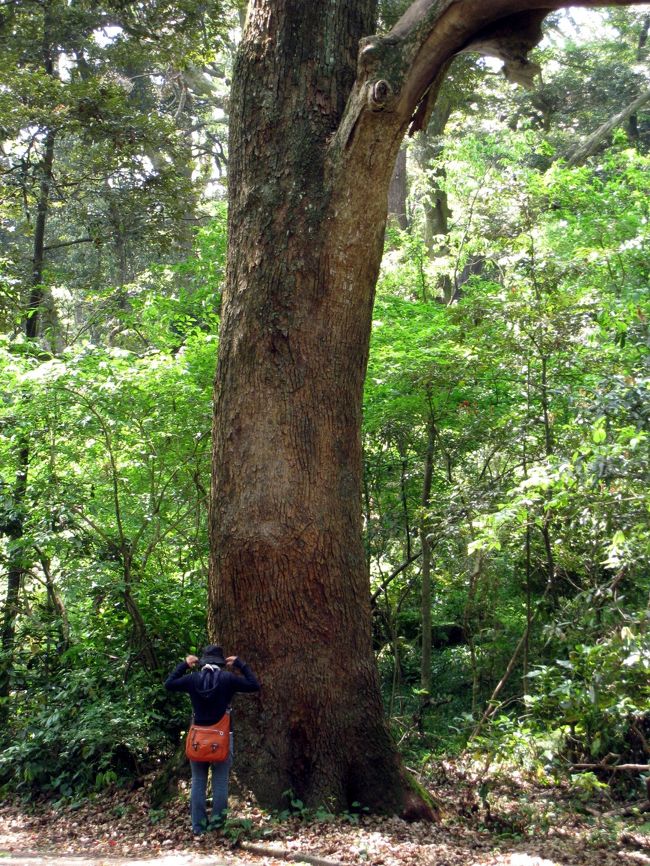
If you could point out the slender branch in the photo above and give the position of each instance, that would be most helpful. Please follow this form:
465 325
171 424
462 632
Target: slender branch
62 244
486 464
111 457
102 534
391 577
470 217
425 603
173 524
492 705
163 489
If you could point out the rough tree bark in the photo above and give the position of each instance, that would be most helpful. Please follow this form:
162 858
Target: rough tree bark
317 120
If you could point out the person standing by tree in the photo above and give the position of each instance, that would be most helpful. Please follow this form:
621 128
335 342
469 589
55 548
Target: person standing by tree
211 690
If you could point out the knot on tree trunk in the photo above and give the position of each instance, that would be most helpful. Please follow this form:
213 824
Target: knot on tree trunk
380 95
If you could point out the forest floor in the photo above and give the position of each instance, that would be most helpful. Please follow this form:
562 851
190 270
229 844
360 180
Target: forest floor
495 820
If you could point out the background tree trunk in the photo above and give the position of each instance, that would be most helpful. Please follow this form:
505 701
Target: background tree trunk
596 139
425 606
398 191
15 571
427 154
43 205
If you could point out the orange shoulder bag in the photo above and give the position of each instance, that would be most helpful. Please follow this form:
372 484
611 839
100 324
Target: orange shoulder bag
209 743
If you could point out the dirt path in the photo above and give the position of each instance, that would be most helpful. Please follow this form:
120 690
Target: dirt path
526 825
35 859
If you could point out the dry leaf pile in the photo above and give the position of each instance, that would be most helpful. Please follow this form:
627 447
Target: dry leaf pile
493 821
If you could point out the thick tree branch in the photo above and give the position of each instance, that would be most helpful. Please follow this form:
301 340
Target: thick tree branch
592 143
398 74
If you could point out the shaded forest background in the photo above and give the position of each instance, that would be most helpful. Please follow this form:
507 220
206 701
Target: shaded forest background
506 409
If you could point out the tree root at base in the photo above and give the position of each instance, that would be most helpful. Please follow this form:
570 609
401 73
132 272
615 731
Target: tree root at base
292 856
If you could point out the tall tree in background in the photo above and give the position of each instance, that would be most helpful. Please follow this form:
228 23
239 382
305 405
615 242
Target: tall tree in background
315 129
103 115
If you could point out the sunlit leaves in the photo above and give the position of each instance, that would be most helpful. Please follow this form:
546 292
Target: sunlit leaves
536 375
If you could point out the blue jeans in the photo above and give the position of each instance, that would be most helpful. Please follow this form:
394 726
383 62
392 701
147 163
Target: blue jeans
220 775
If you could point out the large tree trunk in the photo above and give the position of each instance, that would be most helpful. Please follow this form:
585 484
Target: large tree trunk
291 587
314 135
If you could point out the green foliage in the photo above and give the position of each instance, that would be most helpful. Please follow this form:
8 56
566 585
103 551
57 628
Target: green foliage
600 692
522 345
177 302
237 829
321 814
113 520
125 110
83 732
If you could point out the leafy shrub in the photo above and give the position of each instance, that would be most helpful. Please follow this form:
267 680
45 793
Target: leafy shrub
598 692
83 734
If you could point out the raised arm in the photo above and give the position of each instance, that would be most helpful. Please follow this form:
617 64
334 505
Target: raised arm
247 682
177 681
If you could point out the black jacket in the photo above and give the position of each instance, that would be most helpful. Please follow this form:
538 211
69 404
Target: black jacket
210 705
